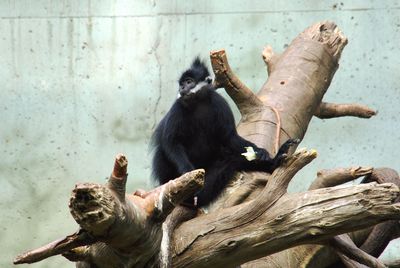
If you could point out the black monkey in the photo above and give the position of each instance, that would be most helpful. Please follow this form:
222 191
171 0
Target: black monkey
199 132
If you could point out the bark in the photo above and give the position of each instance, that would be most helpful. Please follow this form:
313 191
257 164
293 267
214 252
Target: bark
266 225
393 264
331 110
298 79
351 255
371 240
329 178
116 223
255 220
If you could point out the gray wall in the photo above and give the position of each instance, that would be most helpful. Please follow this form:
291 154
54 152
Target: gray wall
84 80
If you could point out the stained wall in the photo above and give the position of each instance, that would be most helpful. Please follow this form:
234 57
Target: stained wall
84 80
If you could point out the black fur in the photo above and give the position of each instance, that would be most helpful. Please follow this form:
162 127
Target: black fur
199 132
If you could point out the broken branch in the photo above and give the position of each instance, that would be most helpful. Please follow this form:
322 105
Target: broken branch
344 245
330 110
332 177
243 97
270 58
60 246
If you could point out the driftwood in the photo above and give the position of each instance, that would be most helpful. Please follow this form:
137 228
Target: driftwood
255 222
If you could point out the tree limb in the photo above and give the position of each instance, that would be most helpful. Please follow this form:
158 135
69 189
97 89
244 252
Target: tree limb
243 97
252 224
332 177
373 240
393 264
113 222
383 233
270 58
346 246
289 222
330 110
57 247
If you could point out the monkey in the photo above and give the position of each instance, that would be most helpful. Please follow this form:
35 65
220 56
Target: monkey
199 131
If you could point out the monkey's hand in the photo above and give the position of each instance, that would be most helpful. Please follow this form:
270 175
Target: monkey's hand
286 146
262 154
250 154
255 153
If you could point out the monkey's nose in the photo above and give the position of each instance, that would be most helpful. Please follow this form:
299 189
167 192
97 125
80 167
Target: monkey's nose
183 91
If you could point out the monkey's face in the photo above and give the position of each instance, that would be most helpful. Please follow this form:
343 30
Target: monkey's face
189 87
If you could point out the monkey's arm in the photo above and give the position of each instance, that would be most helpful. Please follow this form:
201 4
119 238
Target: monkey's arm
238 143
177 155
168 136
232 140
226 128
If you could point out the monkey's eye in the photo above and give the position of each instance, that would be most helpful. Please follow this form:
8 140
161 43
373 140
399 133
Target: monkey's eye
188 81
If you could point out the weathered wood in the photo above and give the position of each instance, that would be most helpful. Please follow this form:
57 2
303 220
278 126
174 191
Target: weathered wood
275 220
331 110
294 219
383 233
298 80
371 240
345 246
114 223
57 247
333 177
243 97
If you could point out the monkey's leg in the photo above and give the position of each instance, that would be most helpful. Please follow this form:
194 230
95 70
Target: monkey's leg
217 177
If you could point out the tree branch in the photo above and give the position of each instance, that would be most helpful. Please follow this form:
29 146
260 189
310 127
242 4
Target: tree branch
372 241
243 97
167 196
346 246
113 222
330 110
59 246
332 177
270 58
294 219
383 233
271 222
393 264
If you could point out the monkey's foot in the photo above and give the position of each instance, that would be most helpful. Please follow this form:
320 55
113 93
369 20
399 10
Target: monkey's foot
283 151
286 146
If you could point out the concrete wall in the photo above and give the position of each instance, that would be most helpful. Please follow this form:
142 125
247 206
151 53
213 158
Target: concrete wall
84 80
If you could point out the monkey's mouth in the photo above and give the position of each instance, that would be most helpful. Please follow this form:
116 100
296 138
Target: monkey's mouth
188 94
184 95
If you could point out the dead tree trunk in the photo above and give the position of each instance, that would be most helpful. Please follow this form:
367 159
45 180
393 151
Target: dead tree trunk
255 217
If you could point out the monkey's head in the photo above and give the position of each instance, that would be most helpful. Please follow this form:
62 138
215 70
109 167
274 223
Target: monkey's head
195 82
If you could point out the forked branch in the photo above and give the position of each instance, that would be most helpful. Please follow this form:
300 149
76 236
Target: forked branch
121 222
277 220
